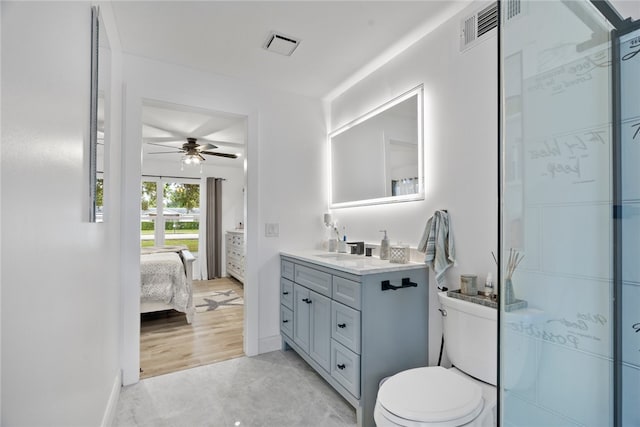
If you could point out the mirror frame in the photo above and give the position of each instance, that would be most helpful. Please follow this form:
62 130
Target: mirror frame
98 115
93 113
418 92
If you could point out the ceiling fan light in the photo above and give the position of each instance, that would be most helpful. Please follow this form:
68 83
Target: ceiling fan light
191 159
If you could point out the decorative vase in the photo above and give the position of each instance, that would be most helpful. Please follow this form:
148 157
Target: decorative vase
509 296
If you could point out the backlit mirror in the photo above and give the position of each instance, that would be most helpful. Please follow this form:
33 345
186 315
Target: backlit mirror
377 158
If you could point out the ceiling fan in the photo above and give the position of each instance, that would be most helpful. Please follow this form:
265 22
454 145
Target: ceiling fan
193 151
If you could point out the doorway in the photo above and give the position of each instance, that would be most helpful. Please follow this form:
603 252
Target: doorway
187 152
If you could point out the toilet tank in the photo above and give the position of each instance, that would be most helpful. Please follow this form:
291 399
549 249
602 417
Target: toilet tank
470 337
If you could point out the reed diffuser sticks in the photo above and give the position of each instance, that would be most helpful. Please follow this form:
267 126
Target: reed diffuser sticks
515 258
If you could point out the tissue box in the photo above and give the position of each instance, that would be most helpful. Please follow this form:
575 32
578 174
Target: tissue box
399 254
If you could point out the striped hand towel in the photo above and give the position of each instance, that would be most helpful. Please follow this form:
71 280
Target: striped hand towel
437 244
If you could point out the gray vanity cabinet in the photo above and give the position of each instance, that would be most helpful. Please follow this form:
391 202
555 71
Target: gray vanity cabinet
352 327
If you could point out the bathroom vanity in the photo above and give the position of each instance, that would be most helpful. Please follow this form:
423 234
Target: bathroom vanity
354 319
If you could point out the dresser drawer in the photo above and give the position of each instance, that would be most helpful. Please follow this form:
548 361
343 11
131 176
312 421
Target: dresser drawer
313 279
286 292
345 368
286 321
286 269
345 326
347 292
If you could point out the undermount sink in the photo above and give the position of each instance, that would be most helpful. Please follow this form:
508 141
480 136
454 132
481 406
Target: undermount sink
351 260
339 256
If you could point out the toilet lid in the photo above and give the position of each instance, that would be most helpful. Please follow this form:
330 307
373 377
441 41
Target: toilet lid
431 395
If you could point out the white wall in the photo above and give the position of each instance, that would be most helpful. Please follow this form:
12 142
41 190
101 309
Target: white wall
285 184
461 151
60 305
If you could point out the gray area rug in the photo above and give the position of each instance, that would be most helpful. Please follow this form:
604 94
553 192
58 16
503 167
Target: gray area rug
216 300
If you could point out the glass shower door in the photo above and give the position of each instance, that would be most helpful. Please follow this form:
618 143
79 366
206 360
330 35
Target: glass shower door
629 306
556 354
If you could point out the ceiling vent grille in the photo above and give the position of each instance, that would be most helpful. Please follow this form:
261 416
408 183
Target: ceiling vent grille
475 26
279 43
511 9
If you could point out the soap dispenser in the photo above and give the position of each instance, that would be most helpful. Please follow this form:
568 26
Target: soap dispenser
384 246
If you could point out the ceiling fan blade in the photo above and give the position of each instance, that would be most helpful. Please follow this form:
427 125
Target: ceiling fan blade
163 145
222 143
211 153
166 152
202 147
155 140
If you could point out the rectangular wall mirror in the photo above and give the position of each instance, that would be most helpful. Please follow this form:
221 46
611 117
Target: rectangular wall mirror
98 135
378 158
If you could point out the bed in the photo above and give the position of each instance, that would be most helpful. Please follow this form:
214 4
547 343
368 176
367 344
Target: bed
166 279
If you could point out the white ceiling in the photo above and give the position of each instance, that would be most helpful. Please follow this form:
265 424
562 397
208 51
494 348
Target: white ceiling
339 38
165 128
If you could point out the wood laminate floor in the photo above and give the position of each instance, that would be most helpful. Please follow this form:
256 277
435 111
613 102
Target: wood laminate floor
168 343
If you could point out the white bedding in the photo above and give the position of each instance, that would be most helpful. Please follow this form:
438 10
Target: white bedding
164 280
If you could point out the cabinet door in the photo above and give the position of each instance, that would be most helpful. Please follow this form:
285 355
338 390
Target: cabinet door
320 329
301 316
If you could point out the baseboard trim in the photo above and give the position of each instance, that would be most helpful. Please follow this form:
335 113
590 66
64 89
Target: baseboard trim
270 344
110 411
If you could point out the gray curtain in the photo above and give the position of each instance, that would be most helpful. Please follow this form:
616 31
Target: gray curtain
214 228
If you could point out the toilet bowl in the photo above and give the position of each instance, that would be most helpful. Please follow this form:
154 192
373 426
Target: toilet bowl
465 395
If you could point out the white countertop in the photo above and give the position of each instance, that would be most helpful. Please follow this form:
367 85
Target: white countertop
354 264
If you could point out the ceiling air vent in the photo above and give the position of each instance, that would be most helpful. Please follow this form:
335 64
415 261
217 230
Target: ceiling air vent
475 26
279 43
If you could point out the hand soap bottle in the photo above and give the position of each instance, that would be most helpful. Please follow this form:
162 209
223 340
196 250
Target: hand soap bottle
384 246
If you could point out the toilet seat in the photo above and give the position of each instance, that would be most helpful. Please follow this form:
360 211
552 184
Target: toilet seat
431 395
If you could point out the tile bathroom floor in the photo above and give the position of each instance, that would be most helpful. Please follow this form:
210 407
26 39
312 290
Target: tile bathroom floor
276 389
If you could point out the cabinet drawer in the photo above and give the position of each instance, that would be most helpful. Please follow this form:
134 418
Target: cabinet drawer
286 321
286 269
345 326
347 292
286 293
313 279
345 368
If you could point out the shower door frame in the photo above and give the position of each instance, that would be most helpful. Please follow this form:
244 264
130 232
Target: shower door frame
621 28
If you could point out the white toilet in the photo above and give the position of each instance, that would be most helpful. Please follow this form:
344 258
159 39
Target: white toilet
461 396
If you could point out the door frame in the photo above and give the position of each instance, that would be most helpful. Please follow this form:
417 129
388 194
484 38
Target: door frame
130 222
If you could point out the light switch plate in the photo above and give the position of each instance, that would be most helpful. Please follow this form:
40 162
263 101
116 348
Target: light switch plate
271 229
